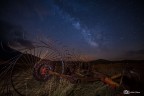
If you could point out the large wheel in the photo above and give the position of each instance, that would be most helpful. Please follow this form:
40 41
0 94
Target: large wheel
28 80
29 75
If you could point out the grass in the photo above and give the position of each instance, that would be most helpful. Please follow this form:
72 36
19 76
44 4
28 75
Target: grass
61 87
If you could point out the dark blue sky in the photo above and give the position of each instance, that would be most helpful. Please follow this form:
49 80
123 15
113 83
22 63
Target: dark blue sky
107 29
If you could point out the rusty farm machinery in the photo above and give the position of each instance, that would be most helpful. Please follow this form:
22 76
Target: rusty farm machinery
36 65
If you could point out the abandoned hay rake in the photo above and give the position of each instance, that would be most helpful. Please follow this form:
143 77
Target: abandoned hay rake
35 66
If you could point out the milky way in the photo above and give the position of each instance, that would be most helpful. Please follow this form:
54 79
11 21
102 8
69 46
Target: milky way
77 24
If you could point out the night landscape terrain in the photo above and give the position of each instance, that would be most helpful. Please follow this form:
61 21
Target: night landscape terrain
17 77
71 48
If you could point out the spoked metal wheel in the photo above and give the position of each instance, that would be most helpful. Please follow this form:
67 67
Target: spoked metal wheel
5 74
40 71
29 75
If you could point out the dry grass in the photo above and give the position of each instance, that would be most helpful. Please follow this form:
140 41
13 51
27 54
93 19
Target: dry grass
61 87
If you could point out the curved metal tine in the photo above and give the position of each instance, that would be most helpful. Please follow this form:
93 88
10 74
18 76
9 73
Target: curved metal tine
24 56
6 84
1 44
34 53
30 61
41 58
23 73
3 89
11 59
31 57
15 61
20 68
8 68
19 64
3 70
16 76
19 82
22 89
14 66
48 46
44 57
32 91
39 54
57 45
51 55
26 61
55 57
28 57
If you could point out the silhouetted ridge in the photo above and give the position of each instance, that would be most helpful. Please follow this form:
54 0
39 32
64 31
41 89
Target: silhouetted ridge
7 53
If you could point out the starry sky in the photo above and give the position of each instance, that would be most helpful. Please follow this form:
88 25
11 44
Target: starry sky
98 29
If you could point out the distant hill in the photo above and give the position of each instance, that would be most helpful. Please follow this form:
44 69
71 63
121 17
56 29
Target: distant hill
103 61
7 53
100 61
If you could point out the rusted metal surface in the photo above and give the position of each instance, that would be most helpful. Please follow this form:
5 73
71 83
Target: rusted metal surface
79 78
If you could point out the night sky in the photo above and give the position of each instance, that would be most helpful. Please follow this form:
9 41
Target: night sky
98 29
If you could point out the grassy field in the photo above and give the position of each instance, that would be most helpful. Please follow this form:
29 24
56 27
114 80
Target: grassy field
26 84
